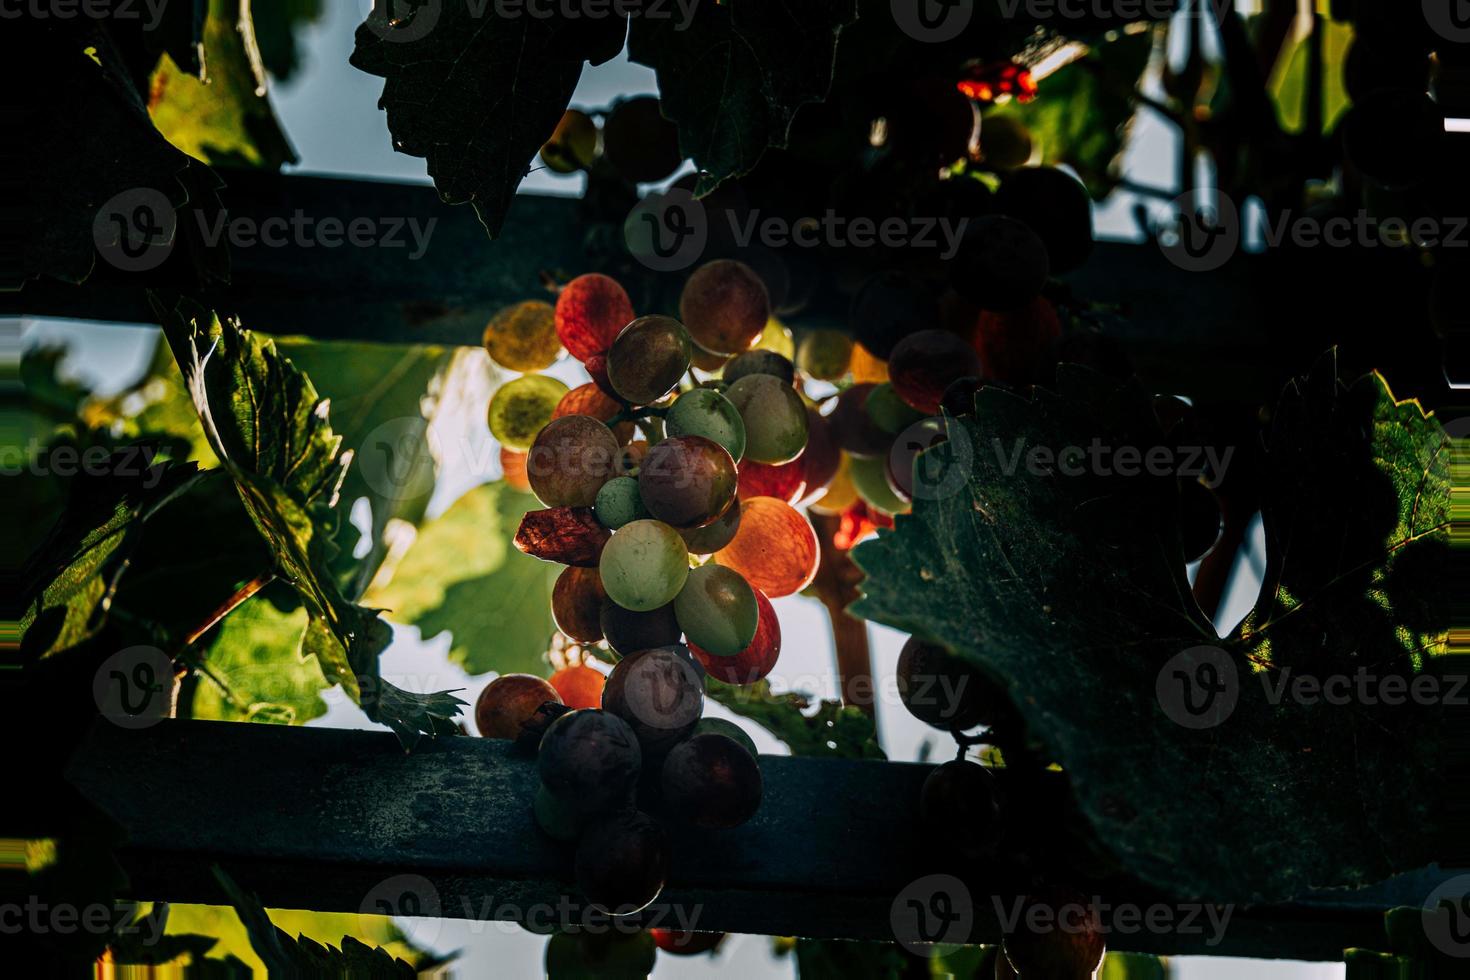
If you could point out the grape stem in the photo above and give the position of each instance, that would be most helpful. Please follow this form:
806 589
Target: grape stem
836 585
637 415
228 606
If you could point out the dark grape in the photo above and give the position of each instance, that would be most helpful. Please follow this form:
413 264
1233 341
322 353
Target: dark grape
681 943
942 690
890 307
774 416
707 361
757 659
725 306
759 362
659 693
958 805
1005 142
959 397
590 759
924 364
715 535
853 428
928 120
687 481
639 142
1393 136
611 955
1056 206
508 701
717 610
628 632
1057 935
570 460
576 603
622 862
719 726
1001 263
648 358
1199 516
590 313
712 781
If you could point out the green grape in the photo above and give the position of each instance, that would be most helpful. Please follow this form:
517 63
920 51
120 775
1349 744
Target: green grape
889 412
717 611
824 354
521 409
870 477
648 358
774 416
644 565
618 503
570 460
759 362
573 146
706 412
720 726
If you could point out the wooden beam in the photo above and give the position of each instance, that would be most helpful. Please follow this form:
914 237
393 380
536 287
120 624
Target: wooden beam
321 819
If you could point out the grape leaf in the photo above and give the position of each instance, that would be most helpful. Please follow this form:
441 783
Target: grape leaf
225 116
1060 587
733 76
93 111
477 90
396 408
832 730
76 572
463 575
256 655
284 956
1082 111
272 434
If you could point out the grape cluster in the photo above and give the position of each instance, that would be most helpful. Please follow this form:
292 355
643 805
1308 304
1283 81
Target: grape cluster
665 495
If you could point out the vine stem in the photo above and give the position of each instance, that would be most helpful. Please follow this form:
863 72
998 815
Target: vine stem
228 606
836 585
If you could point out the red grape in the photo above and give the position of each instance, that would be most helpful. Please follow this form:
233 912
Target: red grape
687 481
580 686
926 363
712 781
590 313
658 692
571 459
853 428
622 862
784 481
1016 347
576 603
724 306
941 690
508 701
590 760
775 547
